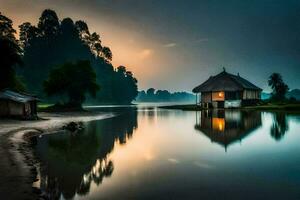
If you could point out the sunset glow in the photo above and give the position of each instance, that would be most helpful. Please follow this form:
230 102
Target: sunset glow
159 45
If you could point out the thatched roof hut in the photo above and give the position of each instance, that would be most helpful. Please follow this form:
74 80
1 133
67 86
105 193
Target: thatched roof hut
20 105
227 90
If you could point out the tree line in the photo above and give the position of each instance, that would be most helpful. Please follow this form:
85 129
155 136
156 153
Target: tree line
55 52
152 95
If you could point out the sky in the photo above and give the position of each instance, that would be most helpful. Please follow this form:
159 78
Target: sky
178 44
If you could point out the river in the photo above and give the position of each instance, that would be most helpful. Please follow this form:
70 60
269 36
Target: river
150 153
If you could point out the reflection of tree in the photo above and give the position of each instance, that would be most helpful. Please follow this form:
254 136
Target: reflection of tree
70 163
279 126
101 169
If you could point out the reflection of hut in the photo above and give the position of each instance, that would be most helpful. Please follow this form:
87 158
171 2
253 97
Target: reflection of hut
227 90
13 104
227 127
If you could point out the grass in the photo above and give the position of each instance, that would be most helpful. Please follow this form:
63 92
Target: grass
58 108
276 106
43 105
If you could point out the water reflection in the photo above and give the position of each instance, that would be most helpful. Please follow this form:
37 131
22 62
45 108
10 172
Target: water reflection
169 157
72 162
225 127
279 126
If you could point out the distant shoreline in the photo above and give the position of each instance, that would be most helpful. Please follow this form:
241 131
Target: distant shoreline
284 107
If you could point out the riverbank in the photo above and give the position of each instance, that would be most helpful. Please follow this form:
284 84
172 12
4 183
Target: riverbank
18 166
292 107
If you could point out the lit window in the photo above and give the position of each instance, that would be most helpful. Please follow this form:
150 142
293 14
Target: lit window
221 127
220 94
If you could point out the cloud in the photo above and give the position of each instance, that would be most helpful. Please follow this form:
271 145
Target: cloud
203 165
202 40
170 45
145 53
173 160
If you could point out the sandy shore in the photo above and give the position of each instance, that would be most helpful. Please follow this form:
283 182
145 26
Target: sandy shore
17 166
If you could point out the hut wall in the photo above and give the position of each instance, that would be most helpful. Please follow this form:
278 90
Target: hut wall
4 109
232 103
205 97
218 96
28 110
251 94
33 107
16 109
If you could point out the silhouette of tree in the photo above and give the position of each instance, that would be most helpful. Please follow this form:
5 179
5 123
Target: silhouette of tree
124 85
6 28
73 80
150 91
27 33
48 23
54 43
278 86
83 31
163 95
10 55
107 54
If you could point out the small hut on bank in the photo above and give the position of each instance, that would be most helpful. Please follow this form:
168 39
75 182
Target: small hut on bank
226 90
18 105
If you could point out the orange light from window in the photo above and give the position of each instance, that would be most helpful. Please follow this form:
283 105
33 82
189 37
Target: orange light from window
220 94
218 124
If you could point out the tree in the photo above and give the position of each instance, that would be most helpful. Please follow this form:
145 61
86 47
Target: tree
6 28
27 33
74 80
150 91
10 55
124 86
48 23
163 95
52 43
278 86
107 54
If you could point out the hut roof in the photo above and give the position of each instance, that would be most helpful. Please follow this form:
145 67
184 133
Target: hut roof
225 82
17 97
229 136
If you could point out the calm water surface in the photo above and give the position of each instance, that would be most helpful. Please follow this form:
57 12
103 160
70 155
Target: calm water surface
151 153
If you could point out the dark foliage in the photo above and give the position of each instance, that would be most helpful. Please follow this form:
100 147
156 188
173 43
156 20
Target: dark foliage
53 43
73 80
278 86
10 55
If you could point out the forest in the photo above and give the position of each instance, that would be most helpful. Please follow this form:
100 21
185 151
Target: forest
31 62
